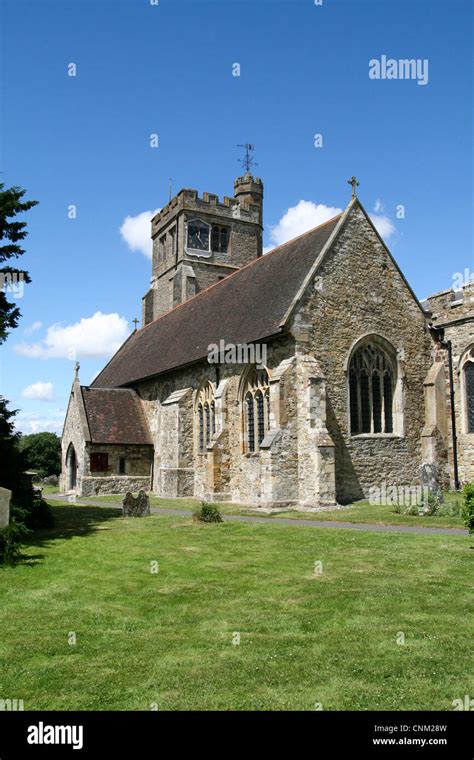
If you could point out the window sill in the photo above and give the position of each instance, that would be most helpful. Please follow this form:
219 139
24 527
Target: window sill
364 436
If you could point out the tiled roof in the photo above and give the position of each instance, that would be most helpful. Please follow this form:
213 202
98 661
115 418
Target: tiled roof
247 306
115 416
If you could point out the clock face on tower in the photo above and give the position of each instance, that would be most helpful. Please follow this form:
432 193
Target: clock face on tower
198 237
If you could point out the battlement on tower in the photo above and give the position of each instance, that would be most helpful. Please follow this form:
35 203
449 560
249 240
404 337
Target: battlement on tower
246 204
201 239
449 305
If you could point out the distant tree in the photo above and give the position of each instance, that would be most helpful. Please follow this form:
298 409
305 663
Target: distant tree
42 452
11 233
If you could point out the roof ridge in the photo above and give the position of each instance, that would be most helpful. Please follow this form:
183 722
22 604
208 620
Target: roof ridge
241 269
106 388
81 388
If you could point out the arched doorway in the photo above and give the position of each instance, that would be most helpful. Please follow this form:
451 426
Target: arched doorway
71 468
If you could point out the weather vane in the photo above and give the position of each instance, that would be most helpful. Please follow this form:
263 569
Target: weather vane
355 183
247 161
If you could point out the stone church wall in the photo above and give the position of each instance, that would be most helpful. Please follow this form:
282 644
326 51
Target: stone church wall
454 311
95 486
360 291
185 471
138 459
73 434
461 337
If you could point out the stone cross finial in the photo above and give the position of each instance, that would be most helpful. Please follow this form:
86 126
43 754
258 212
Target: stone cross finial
355 183
135 322
77 367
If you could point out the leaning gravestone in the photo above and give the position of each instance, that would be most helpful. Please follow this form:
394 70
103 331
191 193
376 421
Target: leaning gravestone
5 496
139 507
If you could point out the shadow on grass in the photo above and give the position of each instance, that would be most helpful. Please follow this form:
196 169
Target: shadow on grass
69 521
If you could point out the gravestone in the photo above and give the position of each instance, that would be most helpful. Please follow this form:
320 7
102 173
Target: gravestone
136 507
5 496
430 478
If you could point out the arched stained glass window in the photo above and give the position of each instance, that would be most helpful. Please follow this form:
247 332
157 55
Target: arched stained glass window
249 401
205 416
372 377
469 391
256 408
201 427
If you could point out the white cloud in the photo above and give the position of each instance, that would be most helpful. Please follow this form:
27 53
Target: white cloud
39 391
136 232
306 215
99 335
36 423
33 328
298 219
383 225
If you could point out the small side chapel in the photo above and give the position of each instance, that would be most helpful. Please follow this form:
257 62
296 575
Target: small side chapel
361 387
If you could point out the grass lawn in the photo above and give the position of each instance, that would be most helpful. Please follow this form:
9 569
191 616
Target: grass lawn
362 512
165 638
48 489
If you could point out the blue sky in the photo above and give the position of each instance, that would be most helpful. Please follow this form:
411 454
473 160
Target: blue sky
168 69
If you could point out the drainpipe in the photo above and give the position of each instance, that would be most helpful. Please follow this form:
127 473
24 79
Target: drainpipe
176 247
446 344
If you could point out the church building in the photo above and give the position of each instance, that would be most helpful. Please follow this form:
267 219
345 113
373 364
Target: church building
331 379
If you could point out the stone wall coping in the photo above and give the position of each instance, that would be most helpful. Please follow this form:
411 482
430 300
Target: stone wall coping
177 396
270 437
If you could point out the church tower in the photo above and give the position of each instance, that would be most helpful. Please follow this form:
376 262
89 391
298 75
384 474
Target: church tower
198 241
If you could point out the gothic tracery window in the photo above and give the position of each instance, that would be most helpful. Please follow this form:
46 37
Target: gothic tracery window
256 409
372 378
206 416
469 391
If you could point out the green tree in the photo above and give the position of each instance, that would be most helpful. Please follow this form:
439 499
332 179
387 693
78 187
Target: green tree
42 452
12 462
11 234
468 507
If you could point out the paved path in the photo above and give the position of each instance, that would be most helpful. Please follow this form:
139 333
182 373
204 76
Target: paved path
282 520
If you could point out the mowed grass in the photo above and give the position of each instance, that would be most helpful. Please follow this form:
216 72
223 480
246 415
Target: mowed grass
166 638
361 512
